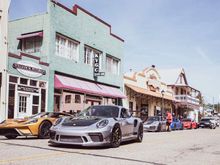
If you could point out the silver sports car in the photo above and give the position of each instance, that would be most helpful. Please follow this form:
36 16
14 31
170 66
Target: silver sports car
155 123
97 126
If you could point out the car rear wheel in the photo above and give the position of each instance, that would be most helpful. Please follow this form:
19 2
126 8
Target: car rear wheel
44 130
159 128
140 133
11 136
116 136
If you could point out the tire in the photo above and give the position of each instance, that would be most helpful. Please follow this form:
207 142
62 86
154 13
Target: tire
140 133
11 136
182 127
44 128
159 128
115 137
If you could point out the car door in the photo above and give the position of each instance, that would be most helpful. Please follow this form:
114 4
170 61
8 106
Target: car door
125 122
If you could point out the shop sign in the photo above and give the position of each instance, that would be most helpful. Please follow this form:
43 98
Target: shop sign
29 69
28 89
96 66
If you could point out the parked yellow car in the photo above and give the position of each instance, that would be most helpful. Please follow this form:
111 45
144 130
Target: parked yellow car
36 125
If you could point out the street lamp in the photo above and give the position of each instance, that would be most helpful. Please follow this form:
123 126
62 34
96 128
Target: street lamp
162 109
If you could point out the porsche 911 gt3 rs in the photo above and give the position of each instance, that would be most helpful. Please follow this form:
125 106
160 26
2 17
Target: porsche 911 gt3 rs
96 126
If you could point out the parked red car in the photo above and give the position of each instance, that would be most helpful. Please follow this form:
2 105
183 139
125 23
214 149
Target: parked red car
189 124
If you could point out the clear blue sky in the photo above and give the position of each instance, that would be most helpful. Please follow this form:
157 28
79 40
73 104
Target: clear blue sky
166 33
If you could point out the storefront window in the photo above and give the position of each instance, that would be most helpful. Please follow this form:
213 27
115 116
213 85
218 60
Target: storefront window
77 99
11 101
68 99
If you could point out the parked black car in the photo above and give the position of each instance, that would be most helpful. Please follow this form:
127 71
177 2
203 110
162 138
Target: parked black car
207 123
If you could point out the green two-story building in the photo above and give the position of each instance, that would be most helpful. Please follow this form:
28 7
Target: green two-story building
62 60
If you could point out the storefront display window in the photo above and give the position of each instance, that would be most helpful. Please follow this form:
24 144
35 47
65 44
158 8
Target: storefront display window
77 99
68 99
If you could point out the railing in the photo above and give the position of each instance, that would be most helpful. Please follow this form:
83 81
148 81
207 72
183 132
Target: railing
187 99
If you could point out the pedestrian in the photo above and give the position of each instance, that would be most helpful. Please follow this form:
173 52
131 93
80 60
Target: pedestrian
169 119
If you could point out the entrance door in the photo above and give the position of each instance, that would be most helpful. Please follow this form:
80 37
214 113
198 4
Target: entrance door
23 105
56 103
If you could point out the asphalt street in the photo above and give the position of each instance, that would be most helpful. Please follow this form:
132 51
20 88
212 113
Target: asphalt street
200 146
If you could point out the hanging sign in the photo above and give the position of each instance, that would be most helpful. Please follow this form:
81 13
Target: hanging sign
29 69
96 66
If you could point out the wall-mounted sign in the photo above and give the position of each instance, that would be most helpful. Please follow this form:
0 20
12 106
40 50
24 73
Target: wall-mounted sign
96 67
29 69
28 89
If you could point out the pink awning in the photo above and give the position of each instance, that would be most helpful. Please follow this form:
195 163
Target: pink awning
39 34
62 82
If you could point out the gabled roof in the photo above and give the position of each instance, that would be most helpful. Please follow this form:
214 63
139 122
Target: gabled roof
172 76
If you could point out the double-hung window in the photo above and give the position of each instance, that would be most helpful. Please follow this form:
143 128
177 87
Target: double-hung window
112 65
89 55
67 48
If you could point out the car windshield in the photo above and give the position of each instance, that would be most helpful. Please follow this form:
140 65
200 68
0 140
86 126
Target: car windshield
101 111
155 118
186 120
205 119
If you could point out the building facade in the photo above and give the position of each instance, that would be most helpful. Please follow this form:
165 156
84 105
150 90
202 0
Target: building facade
187 98
4 6
63 60
146 94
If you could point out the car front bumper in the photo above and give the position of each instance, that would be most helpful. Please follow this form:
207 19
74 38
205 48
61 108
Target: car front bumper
82 138
150 128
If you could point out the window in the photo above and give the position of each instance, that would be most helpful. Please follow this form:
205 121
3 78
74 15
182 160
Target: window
13 79
33 83
77 99
89 54
112 65
67 48
23 81
32 45
35 105
68 99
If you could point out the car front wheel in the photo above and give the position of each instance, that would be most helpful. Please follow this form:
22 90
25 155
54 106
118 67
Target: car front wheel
116 136
140 133
44 130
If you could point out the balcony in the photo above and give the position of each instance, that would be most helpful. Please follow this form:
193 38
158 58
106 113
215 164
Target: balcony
186 99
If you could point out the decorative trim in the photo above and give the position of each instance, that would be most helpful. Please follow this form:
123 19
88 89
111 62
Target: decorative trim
129 78
74 11
29 56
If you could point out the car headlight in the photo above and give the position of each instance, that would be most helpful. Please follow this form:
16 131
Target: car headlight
102 123
31 121
58 121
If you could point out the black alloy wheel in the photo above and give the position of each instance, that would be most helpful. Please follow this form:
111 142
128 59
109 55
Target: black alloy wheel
44 130
116 136
11 136
159 128
140 133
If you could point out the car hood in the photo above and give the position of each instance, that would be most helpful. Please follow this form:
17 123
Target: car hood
81 121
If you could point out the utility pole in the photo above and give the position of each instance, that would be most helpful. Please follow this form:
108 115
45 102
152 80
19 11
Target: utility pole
4 7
